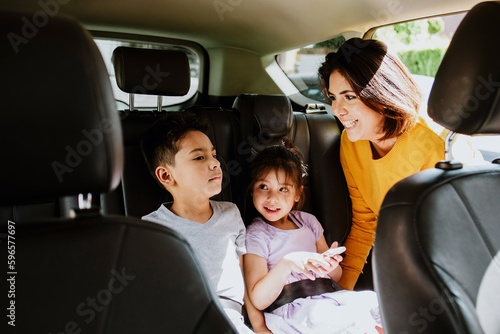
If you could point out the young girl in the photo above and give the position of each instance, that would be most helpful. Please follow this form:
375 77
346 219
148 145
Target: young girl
286 273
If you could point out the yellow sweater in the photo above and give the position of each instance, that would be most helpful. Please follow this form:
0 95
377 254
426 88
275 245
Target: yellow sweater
369 180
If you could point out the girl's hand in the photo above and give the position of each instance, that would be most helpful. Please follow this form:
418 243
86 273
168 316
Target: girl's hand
307 262
333 260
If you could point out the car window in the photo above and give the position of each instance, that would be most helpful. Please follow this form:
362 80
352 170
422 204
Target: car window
140 100
421 45
301 66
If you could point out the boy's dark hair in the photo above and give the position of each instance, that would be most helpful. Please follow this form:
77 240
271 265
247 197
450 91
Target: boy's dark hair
161 143
286 157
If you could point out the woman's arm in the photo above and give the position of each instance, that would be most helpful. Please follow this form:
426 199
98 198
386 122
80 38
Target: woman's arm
362 234
358 245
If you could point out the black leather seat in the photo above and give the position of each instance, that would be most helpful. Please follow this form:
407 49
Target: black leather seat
61 135
139 194
437 251
265 120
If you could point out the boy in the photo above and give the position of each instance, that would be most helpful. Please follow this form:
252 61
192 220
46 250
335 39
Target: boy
181 157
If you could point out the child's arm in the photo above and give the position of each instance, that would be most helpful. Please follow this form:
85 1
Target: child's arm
335 271
265 286
255 316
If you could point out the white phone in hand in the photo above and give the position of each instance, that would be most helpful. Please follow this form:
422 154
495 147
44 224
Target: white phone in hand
334 251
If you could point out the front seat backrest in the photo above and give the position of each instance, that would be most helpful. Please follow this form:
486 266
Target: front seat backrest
61 135
437 251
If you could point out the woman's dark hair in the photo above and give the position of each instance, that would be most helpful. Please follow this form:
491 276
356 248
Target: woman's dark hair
379 78
285 157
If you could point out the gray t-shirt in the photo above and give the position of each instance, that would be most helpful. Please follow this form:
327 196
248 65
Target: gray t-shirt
217 244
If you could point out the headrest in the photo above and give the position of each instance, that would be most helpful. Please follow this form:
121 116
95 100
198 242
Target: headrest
272 114
60 131
152 71
465 95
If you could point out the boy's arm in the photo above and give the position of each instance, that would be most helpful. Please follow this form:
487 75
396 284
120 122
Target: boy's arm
256 317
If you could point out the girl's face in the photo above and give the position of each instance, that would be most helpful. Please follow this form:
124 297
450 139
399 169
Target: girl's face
360 121
274 196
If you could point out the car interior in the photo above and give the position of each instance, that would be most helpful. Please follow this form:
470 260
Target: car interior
84 81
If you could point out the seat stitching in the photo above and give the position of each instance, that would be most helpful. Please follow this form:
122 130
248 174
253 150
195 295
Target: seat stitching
109 310
431 265
475 219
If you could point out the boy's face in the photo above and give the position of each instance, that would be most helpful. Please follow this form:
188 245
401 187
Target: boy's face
197 172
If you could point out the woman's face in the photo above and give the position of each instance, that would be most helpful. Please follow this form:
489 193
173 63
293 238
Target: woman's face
360 121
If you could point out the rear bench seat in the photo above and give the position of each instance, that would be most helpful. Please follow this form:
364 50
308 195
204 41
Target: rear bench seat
237 144
139 194
265 120
255 122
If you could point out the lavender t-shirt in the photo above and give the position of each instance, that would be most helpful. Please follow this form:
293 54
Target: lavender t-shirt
273 243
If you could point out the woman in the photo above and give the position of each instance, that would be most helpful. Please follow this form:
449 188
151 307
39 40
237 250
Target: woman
384 140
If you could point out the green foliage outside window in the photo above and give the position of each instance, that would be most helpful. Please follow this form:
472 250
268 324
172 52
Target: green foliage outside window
420 44
331 44
424 62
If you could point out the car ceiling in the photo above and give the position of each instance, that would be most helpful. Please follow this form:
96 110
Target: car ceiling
261 26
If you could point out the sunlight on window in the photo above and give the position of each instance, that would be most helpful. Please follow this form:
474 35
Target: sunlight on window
420 44
301 66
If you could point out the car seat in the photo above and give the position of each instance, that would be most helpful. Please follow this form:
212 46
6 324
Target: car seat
61 136
140 193
437 252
